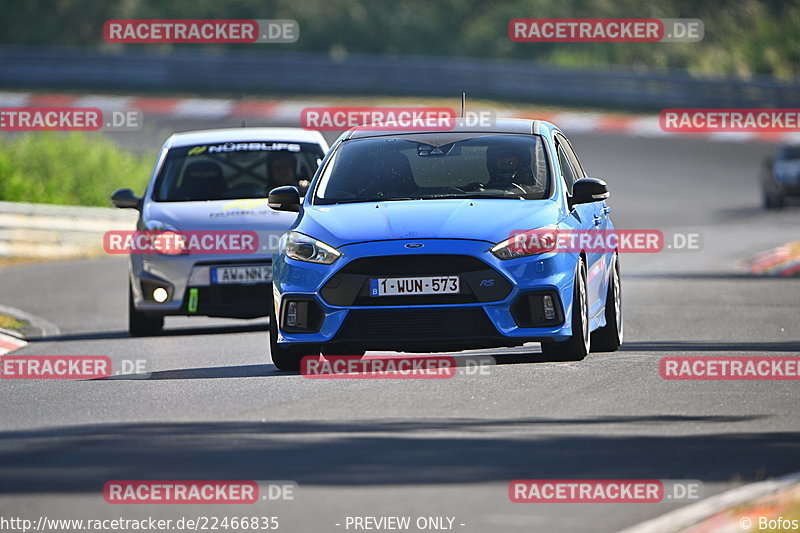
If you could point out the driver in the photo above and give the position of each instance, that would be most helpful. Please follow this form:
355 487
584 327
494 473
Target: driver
508 166
282 171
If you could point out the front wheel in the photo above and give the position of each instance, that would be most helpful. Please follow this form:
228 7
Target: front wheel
609 337
141 324
285 357
772 199
577 346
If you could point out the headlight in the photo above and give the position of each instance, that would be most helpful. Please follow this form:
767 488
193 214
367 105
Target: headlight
524 243
303 248
165 239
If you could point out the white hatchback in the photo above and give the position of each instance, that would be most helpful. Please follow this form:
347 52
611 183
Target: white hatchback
214 182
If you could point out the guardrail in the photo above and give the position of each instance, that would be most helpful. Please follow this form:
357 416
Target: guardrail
310 73
55 231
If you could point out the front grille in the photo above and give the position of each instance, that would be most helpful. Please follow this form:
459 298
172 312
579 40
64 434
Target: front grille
479 281
232 301
416 325
425 324
234 294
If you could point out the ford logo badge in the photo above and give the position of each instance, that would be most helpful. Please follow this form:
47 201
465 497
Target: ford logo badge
414 245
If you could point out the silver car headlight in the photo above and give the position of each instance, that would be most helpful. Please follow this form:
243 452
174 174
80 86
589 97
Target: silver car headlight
165 239
301 247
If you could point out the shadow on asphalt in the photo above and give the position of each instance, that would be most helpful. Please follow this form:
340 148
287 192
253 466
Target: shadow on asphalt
706 275
270 370
215 372
168 332
753 211
711 346
394 452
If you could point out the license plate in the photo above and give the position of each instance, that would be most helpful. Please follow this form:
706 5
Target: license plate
241 274
414 286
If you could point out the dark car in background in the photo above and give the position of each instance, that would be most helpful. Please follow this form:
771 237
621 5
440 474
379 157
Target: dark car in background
780 179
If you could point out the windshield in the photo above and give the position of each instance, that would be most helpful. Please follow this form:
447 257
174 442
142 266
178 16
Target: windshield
436 165
235 170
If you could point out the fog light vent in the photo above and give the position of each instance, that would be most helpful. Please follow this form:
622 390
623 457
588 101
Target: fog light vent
291 314
549 308
537 309
301 315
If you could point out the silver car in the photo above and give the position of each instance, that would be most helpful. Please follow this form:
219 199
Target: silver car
214 182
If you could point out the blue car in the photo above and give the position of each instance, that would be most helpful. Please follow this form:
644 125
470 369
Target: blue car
405 242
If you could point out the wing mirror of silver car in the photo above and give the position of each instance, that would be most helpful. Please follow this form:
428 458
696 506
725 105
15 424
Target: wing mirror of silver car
126 199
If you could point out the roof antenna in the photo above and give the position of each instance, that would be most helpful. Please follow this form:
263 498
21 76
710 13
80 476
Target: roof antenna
463 103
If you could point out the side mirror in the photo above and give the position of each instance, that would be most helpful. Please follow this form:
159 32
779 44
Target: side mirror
126 199
588 190
285 198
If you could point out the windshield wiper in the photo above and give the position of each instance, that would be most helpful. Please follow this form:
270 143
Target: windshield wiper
472 197
365 200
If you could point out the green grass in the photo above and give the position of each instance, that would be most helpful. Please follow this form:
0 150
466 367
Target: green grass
68 169
9 322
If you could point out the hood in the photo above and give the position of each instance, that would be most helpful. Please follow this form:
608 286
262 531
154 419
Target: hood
485 220
248 214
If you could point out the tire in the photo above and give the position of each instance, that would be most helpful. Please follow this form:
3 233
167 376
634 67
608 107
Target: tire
772 200
141 324
577 346
609 337
286 358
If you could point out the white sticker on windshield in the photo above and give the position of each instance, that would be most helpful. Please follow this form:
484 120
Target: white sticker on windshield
252 147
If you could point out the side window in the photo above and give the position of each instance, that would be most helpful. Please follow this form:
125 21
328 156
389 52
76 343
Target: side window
567 172
565 153
576 165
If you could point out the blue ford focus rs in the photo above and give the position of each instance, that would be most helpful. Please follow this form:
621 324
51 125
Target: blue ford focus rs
405 242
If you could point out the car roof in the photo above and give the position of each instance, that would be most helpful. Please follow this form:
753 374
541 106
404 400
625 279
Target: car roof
191 138
500 125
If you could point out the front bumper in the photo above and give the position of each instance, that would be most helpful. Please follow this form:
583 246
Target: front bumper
490 311
786 185
187 280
